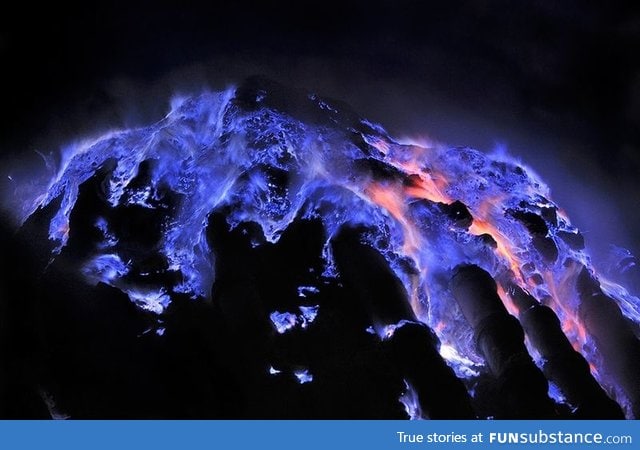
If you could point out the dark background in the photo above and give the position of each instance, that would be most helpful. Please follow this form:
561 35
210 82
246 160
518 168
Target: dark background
557 83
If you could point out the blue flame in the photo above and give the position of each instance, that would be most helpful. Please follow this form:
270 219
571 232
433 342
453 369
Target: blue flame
283 321
303 376
409 399
260 164
286 321
303 291
106 268
308 314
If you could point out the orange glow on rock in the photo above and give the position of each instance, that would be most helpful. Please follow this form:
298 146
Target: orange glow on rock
392 200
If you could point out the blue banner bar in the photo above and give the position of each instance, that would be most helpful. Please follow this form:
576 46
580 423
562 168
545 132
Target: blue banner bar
299 435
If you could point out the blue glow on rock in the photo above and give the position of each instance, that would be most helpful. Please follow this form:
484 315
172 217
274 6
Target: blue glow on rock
463 367
152 301
108 239
387 331
409 399
286 321
309 314
556 393
106 268
304 291
283 321
303 376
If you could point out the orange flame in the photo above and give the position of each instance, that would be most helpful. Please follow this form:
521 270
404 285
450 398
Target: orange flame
504 245
507 302
482 224
559 289
64 230
428 187
392 200
425 184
